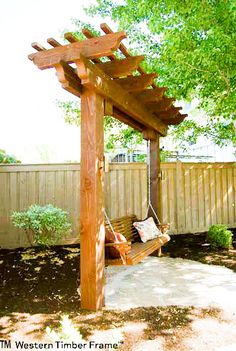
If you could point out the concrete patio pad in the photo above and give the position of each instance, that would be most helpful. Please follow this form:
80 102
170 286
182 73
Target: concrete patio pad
171 281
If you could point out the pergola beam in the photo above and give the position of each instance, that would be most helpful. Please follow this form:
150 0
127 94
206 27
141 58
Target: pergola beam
162 105
91 76
106 29
90 48
37 46
172 112
121 116
70 37
53 42
136 83
68 78
121 68
150 95
88 34
175 120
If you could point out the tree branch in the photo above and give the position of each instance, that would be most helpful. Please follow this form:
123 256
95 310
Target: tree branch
197 69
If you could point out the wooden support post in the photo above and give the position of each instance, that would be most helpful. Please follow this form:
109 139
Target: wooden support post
155 165
155 175
155 170
92 231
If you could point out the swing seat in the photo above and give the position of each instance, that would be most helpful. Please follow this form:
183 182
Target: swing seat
134 250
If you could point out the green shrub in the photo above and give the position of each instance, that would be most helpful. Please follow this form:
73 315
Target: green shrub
5 158
44 225
219 236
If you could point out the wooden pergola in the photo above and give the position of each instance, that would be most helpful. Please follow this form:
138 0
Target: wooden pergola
113 86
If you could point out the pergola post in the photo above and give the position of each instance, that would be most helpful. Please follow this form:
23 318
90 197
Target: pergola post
155 178
91 201
155 173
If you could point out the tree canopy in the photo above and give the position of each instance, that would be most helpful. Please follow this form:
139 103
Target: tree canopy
192 46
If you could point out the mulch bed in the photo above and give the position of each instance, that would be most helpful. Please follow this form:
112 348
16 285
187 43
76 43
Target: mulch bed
39 281
46 281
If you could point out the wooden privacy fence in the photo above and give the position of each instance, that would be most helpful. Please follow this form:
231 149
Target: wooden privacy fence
194 196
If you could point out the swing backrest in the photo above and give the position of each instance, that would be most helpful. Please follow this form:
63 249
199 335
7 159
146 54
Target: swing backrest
124 226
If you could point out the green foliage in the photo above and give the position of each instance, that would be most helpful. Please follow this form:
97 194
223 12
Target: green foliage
141 158
220 131
192 47
71 111
117 134
5 158
47 224
219 236
165 155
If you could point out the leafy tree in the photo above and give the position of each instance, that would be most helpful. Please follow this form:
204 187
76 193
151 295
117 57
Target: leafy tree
116 133
192 45
5 158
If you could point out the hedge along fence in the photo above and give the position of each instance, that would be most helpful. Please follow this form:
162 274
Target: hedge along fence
194 196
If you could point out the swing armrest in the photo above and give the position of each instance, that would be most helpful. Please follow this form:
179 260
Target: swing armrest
124 247
163 227
119 244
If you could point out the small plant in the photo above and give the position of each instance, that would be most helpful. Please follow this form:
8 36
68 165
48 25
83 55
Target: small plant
44 225
66 332
219 236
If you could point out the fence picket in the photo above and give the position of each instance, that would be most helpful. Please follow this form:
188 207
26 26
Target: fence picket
194 195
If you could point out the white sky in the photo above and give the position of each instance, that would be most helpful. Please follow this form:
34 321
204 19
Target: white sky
32 126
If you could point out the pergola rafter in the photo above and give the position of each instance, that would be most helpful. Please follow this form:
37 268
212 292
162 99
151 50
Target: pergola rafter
142 88
107 84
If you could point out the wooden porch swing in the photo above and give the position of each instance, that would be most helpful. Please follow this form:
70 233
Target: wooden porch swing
137 250
119 87
134 250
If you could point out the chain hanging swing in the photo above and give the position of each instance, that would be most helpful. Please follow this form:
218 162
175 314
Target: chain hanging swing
149 202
